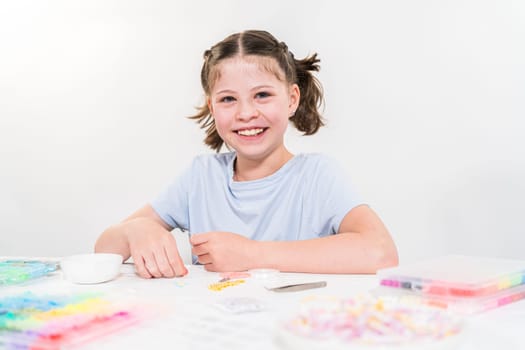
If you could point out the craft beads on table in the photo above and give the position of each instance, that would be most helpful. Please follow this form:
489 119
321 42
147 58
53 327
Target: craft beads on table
217 287
29 321
20 271
371 320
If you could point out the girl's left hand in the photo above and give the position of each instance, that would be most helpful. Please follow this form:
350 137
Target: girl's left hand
224 251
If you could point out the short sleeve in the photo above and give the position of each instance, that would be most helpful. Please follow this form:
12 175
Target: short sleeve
172 204
337 193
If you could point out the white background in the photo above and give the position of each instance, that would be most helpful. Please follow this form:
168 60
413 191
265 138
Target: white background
425 103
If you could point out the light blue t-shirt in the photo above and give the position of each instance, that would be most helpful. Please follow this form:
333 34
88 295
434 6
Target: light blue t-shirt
306 198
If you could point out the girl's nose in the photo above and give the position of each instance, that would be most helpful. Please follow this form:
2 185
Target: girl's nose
247 111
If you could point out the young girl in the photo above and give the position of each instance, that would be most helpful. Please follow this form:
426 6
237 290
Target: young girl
258 206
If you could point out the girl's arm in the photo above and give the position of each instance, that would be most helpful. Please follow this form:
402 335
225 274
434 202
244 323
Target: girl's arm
363 245
147 238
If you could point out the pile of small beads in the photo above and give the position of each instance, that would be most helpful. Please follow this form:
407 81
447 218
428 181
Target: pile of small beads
216 287
366 319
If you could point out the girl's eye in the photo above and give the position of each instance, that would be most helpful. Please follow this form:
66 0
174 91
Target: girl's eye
262 94
227 99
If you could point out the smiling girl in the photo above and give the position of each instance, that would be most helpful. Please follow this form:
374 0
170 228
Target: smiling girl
257 205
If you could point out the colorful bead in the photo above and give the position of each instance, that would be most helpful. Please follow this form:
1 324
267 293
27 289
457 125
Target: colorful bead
216 287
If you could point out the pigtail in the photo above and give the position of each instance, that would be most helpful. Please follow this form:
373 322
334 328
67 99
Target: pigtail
203 116
205 119
307 118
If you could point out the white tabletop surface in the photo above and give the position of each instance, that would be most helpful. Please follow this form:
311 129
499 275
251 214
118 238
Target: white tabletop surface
186 315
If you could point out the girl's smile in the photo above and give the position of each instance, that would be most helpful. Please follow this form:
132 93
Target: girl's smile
251 133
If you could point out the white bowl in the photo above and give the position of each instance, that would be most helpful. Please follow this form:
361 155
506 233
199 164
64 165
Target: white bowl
91 268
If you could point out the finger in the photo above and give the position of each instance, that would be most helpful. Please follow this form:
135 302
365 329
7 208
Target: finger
175 261
211 267
140 267
204 259
163 264
151 265
200 249
198 238
184 271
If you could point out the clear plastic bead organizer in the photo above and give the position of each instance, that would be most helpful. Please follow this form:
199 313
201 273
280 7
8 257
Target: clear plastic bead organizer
456 276
466 284
17 271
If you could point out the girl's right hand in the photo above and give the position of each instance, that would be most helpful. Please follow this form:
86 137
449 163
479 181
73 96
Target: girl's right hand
154 249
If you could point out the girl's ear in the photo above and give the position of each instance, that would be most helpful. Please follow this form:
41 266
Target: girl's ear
295 97
210 106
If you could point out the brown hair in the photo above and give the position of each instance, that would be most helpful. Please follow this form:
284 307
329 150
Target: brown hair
306 119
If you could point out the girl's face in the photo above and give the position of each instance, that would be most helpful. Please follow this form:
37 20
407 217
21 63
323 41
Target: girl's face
251 107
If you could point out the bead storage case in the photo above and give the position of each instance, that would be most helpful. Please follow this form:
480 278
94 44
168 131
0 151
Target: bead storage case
44 321
16 271
463 306
464 284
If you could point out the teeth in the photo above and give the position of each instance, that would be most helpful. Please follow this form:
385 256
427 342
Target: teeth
250 132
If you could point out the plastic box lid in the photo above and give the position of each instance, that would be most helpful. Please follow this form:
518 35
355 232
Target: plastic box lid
15 271
458 305
456 276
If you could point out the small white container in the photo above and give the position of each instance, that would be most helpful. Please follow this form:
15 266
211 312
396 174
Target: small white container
91 268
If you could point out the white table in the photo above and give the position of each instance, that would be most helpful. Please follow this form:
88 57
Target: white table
186 316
